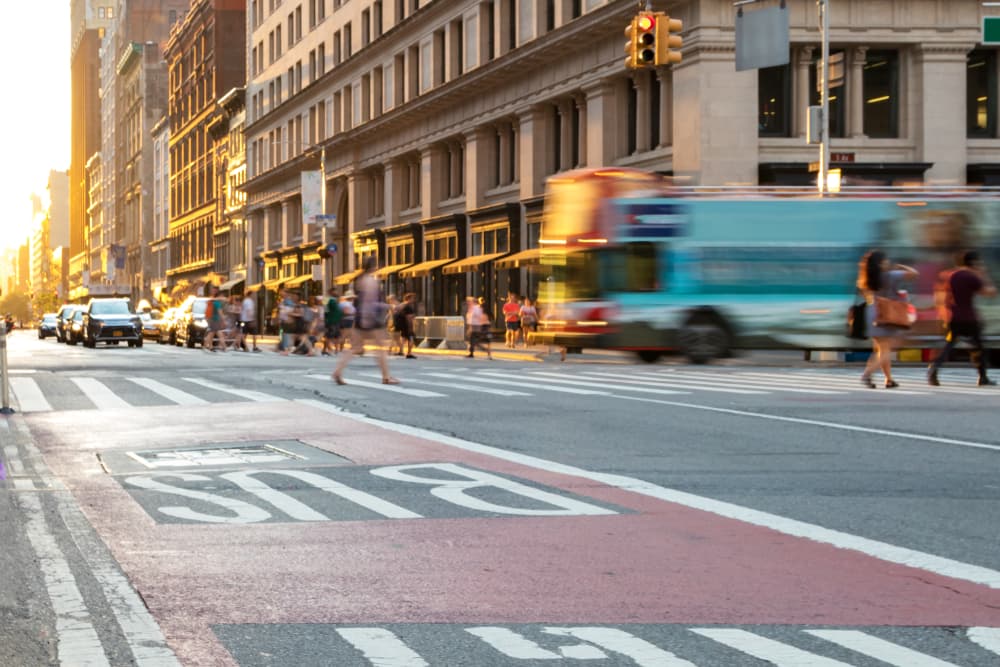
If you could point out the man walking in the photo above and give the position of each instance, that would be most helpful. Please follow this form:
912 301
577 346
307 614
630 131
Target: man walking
248 320
369 324
963 284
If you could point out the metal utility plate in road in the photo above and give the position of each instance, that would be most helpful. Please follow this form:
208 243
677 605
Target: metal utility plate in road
258 454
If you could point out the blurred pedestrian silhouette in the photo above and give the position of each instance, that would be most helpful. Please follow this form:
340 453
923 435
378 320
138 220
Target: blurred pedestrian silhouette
879 279
369 323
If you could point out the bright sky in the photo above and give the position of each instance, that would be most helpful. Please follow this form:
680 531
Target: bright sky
35 109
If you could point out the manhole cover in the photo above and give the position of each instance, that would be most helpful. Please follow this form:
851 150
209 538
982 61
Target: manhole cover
218 455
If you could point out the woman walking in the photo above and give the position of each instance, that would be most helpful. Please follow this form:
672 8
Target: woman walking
369 324
880 282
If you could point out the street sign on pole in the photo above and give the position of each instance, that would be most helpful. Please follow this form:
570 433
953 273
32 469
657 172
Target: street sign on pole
762 37
991 30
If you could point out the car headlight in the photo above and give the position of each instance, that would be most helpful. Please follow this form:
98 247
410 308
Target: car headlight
96 323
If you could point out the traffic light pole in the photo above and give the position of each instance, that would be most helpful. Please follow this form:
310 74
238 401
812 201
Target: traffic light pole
824 147
5 409
325 234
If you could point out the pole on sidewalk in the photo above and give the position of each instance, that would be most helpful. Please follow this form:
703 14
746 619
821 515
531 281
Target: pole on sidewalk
6 409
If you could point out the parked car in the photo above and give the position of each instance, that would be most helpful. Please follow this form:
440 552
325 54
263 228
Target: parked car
111 320
64 317
191 323
166 333
74 334
47 325
150 324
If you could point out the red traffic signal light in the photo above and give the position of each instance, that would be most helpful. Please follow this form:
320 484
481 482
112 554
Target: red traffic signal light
645 25
645 22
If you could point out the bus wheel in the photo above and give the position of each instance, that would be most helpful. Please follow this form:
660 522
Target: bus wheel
649 356
704 338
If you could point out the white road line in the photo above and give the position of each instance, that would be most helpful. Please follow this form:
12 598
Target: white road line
395 388
170 393
683 384
13 458
77 640
643 653
988 638
907 385
99 394
750 383
257 396
381 647
769 650
29 395
880 649
515 383
465 387
24 484
881 550
595 383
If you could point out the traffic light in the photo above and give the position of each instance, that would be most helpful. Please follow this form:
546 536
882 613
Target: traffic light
668 40
645 37
631 46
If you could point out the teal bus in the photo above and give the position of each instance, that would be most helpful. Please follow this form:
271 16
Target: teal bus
637 265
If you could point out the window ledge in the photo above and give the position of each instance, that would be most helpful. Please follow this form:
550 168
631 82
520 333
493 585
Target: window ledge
506 189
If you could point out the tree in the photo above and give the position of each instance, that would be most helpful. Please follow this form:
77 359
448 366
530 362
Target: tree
18 305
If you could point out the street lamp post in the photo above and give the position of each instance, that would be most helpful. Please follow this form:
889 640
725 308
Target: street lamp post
824 73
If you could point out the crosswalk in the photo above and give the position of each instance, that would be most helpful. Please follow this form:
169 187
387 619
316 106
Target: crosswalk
638 646
44 392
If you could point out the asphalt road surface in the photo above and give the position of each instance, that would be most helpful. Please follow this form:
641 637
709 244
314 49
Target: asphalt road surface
163 506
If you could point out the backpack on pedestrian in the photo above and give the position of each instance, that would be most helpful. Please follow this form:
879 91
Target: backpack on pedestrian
334 313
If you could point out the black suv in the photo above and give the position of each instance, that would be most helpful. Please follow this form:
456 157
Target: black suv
111 321
64 318
190 324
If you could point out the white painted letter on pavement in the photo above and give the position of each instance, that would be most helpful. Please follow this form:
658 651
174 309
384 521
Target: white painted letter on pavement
455 491
245 512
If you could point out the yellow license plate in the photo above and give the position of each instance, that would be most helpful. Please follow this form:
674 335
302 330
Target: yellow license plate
117 333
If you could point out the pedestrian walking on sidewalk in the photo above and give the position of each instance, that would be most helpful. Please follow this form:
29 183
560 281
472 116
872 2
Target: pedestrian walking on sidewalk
369 323
512 320
879 279
215 314
405 315
248 320
477 324
960 288
333 315
529 320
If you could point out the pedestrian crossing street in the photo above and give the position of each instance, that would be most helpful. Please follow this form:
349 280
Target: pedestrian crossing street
43 392
641 646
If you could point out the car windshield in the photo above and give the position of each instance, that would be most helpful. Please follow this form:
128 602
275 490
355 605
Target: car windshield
110 308
49 318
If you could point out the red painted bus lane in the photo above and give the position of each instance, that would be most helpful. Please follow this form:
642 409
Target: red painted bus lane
649 562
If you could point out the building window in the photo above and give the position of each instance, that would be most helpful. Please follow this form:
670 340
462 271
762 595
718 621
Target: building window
774 101
471 55
881 94
347 41
981 94
387 86
366 34
377 18
525 20
336 48
425 66
838 103
321 59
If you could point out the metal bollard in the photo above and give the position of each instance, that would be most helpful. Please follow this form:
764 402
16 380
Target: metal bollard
6 409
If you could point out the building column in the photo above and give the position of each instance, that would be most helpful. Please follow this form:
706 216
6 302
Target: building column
800 97
432 173
503 164
665 80
601 124
580 103
641 80
941 134
856 93
392 203
355 207
531 156
478 148
715 138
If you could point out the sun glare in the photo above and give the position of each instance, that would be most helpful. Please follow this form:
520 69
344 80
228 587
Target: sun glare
37 114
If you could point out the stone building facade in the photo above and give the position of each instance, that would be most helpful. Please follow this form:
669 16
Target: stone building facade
438 122
205 58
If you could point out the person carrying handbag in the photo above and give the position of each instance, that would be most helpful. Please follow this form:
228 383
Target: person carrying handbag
887 315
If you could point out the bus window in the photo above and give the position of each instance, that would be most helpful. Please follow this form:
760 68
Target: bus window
632 268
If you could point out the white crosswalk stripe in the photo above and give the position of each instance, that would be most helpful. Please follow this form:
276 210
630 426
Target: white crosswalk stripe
394 388
464 387
100 394
769 650
170 393
880 649
988 638
684 385
518 383
248 394
596 384
29 395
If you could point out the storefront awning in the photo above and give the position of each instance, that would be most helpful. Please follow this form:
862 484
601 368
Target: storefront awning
346 278
387 271
255 287
273 284
517 260
471 263
424 268
295 282
230 284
